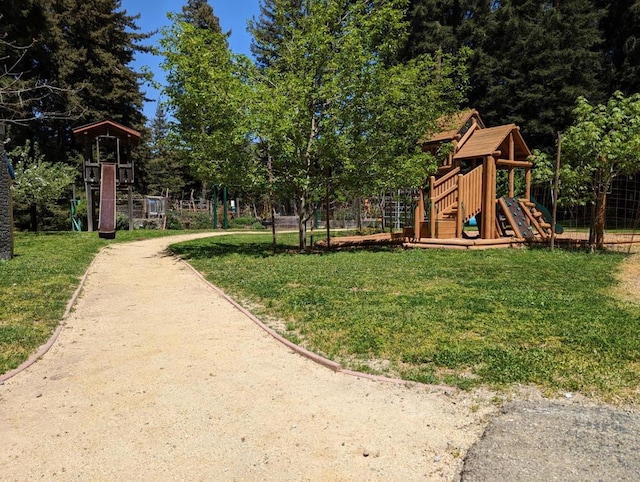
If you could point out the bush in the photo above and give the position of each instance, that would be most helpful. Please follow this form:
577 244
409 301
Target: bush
122 222
247 222
189 220
192 220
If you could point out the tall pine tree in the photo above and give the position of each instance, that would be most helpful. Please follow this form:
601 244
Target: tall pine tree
531 60
84 49
442 25
200 14
534 61
621 29
276 16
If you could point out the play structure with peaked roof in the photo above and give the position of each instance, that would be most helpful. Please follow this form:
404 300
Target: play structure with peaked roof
108 168
465 185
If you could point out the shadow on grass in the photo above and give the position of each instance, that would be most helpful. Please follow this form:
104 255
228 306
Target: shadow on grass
206 249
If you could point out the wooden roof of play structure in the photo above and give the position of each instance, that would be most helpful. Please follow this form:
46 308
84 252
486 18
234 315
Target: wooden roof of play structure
486 142
107 128
454 126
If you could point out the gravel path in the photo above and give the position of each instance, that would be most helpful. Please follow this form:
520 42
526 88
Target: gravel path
156 377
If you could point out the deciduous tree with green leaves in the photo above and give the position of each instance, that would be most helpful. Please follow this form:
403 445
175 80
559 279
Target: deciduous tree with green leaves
208 98
38 182
336 114
603 143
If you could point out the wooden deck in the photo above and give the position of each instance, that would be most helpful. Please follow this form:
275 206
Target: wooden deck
623 241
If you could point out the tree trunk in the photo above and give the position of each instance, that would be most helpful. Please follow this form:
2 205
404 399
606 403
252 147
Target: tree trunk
271 204
596 239
301 206
33 216
328 208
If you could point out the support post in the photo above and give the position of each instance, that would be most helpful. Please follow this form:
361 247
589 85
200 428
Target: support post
556 190
460 213
419 216
489 198
432 208
90 210
225 214
130 200
215 207
527 182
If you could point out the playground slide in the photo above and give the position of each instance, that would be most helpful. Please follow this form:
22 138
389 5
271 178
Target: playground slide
107 219
547 215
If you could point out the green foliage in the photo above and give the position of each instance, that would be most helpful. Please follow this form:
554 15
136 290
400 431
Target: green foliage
39 185
471 318
603 143
207 97
189 220
122 222
332 112
38 181
248 222
531 58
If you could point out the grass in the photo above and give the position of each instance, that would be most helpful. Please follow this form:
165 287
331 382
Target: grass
37 283
466 318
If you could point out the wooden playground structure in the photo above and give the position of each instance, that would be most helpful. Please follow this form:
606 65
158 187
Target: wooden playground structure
466 183
108 168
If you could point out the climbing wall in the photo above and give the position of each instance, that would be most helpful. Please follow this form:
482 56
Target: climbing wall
516 217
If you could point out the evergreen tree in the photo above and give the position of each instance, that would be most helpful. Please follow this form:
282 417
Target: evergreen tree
165 170
24 63
442 25
531 60
276 16
621 29
200 14
95 43
81 52
534 61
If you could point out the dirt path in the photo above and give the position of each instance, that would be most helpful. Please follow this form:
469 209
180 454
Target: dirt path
155 377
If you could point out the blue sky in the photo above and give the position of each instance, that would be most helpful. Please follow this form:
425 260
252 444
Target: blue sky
233 15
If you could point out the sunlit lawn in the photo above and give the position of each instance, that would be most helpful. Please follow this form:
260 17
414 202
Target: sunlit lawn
496 317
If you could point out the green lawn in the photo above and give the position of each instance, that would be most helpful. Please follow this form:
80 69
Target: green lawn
466 318
37 283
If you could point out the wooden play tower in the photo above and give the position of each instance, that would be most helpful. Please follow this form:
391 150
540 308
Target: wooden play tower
108 168
466 183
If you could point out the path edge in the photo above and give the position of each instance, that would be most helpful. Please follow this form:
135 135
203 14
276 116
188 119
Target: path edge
319 359
43 349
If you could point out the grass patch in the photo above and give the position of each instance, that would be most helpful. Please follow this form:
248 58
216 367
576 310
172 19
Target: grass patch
37 283
468 318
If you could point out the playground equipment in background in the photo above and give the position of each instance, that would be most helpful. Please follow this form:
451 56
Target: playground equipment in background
108 167
466 183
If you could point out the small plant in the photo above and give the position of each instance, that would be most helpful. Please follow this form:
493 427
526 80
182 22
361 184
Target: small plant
122 222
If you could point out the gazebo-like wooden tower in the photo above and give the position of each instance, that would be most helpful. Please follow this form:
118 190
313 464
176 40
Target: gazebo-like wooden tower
108 168
465 184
